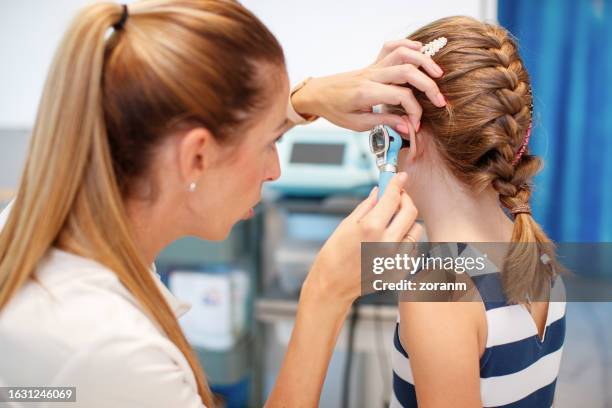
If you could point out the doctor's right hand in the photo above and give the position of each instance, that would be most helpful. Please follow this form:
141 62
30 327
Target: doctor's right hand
333 283
335 276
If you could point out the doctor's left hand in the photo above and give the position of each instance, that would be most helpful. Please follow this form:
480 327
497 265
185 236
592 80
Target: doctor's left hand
347 99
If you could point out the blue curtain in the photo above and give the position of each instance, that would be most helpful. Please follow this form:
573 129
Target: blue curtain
567 47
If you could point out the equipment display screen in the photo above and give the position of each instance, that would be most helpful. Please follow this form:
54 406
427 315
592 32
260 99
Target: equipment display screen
317 153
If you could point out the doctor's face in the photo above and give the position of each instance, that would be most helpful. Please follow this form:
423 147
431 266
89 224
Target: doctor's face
232 186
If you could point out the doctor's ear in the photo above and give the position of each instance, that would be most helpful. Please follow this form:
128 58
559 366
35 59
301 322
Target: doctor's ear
197 149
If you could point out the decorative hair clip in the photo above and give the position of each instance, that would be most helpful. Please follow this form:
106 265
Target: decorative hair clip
525 141
434 46
523 146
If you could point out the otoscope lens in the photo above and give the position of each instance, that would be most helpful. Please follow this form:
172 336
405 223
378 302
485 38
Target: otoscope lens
377 140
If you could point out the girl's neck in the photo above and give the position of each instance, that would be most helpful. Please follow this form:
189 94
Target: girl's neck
453 214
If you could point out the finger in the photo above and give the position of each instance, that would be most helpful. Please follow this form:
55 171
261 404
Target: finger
403 220
365 121
409 129
388 204
365 206
403 55
409 74
397 95
410 133
391 46
416 231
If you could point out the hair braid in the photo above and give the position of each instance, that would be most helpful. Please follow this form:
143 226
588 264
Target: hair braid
514 103
482 129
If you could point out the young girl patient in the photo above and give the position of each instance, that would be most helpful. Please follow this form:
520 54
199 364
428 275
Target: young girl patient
469 173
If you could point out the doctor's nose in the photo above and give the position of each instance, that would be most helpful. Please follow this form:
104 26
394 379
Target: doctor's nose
273 170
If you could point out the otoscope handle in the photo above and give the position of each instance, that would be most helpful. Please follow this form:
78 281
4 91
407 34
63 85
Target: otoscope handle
383 180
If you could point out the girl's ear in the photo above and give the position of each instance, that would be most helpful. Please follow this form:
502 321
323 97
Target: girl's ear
416 147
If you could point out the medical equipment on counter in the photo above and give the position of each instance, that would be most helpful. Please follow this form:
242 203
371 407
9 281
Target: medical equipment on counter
218 297
385 144
295 230
320 162
305 234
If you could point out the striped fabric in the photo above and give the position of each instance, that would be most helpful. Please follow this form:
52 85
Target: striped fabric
517 369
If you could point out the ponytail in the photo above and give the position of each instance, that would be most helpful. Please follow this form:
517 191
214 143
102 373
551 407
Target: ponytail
530 264
68 194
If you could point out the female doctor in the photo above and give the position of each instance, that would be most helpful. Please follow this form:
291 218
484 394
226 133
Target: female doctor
165 129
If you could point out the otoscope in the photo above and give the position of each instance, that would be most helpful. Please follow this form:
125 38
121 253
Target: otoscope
385 144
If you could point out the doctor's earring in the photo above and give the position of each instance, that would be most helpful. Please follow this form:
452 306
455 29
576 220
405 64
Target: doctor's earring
192 186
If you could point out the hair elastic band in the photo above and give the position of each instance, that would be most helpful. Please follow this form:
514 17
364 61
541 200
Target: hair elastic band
124 15
522 208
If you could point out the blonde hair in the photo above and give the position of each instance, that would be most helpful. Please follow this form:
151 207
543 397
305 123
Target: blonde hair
481 130
106 104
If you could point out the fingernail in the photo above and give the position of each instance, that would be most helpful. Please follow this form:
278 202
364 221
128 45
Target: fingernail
439 70
418 126
402 177
441 99
402 128
374 189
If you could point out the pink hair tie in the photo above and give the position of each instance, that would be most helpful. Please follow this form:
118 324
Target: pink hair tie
521 149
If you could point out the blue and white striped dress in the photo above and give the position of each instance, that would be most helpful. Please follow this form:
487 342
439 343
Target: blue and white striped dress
517 369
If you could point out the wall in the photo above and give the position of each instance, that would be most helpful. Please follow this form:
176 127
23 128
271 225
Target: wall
319 36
